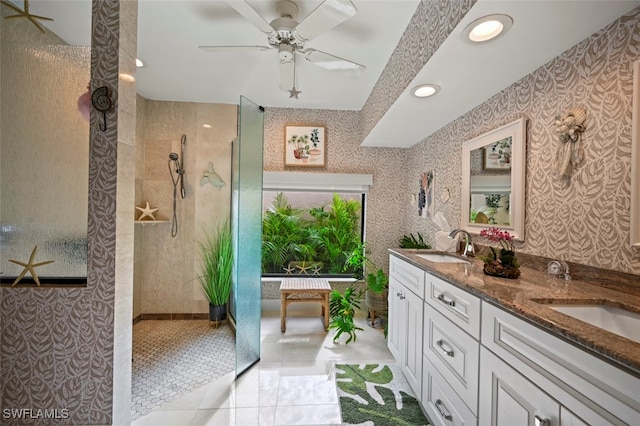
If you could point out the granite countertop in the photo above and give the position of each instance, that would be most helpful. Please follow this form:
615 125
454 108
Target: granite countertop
530 295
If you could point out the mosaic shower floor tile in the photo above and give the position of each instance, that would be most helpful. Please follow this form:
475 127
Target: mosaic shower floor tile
171 358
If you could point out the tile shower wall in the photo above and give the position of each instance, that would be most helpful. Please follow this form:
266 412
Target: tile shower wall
588 221
166 267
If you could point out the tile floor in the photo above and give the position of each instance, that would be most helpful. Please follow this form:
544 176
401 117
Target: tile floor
174 357
293 384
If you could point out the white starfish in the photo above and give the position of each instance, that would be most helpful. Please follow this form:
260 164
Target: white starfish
29 267
25 13
147 212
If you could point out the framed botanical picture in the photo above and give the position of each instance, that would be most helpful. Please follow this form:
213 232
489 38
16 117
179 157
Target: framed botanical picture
304 146
497 155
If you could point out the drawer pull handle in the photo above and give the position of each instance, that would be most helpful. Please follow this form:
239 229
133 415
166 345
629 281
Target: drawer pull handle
443 412
541 422
448 351
445 300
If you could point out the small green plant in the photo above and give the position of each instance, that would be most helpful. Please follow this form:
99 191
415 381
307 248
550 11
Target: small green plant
216 253
413 242
378 280
342 309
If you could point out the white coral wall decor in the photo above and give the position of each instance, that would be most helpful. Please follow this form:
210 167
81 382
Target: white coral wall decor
569 154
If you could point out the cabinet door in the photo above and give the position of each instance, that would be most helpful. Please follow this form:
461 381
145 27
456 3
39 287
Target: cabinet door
507 398
412 357
395 326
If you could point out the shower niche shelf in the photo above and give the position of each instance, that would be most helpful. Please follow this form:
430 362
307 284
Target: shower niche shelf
152 222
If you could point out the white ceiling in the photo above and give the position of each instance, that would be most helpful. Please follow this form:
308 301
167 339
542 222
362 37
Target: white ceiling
470 73
170 31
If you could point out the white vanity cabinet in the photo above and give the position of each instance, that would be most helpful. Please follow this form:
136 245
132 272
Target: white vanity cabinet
471 362
451 353
531 377
404 338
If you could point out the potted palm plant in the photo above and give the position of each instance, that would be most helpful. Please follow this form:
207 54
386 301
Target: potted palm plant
376 279
216 252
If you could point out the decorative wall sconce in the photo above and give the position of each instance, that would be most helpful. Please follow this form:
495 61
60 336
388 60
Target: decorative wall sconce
569 154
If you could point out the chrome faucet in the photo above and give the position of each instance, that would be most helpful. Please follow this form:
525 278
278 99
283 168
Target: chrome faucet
468 244
559 268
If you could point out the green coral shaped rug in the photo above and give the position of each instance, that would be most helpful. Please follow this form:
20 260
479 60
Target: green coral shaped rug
376 395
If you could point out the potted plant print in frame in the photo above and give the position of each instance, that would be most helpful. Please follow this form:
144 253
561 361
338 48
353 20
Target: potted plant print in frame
304 146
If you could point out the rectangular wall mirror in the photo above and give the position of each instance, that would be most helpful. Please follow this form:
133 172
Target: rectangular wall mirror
493 179
635 159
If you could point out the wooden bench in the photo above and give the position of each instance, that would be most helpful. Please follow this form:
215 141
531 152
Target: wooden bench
304 290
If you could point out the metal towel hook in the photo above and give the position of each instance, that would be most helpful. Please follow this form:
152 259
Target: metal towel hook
101 101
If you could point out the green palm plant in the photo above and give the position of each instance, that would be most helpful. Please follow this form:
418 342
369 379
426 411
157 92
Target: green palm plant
284 235
342 309
336 232
216 253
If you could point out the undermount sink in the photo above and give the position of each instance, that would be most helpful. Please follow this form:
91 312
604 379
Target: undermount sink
441 258
616 320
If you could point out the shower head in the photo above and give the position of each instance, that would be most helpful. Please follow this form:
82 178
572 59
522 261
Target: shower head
173 156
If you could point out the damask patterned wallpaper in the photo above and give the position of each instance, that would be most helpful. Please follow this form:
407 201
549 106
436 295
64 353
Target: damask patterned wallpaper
588 221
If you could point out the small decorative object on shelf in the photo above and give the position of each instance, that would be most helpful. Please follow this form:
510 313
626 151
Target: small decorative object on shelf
147 212
500 261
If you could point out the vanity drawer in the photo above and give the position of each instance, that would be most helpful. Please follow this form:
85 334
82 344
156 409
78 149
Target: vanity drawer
456 304
408 275
454 354
443 405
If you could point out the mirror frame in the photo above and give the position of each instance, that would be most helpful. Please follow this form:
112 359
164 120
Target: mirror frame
635 158
517 131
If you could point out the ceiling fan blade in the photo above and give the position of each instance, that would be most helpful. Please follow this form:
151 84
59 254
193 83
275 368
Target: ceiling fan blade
326 16
333 63
249 13
287 74
235 49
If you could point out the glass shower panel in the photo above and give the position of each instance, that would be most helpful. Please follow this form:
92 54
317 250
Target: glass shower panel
44 143
246 217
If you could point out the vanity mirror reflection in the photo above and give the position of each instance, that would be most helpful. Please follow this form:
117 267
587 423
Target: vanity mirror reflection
493 175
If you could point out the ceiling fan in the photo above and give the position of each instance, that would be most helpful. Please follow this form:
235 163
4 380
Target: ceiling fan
288 37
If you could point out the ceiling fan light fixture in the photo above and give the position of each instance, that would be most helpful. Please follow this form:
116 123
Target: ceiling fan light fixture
425 90
487 28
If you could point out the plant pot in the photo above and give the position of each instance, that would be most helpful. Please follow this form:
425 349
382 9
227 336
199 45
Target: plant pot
495 269
377 301
217 313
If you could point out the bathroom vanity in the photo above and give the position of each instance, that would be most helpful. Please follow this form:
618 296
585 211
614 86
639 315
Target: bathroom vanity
492 351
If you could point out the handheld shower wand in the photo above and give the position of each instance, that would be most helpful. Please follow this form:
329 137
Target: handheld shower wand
176 171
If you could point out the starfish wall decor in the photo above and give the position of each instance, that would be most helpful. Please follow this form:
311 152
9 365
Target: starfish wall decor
147 212
29 267
25 14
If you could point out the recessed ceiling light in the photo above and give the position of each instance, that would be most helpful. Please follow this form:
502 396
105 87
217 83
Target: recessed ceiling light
487 28
139 63
206 126
425 90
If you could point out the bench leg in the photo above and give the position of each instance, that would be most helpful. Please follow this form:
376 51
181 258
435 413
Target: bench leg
283 312
325 310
